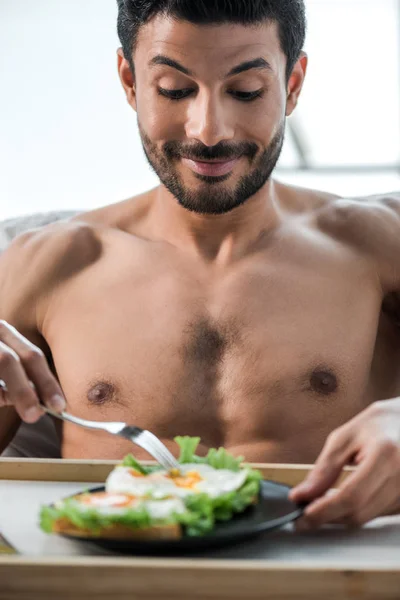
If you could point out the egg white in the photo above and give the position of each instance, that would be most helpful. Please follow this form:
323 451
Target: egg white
110 504
213 482
216 482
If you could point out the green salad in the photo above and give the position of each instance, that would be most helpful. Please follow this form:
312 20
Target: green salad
206 490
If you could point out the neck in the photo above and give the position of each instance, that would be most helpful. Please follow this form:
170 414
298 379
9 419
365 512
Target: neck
219 239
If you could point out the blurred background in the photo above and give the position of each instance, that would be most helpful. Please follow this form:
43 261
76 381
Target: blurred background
68 139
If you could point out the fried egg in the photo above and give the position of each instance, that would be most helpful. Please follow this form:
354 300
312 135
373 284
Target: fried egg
113 504
192 479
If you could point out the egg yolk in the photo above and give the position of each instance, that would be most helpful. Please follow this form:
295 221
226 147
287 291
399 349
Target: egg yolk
190 480
135 473
106 499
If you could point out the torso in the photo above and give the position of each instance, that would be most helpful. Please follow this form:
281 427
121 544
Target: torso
265 357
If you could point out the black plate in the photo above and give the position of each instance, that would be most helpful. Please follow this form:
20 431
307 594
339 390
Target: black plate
273 510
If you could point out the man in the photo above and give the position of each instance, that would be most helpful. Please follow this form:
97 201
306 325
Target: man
223 304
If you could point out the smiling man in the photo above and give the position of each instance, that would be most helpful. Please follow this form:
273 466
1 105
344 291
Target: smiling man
224 304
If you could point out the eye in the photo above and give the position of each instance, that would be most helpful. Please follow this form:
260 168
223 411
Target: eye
247 96
185 93
175 94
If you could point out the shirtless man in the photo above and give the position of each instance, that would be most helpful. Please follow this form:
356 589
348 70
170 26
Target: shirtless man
222 303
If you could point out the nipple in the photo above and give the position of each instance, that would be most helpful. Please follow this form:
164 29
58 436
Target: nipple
323 382
101 393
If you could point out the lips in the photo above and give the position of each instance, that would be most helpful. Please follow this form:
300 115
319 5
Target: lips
212 169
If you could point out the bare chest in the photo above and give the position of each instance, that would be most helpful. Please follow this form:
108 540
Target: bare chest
268 354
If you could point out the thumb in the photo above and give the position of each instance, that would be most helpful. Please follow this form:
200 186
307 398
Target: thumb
338 449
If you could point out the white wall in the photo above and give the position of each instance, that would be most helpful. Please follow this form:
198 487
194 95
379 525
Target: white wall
67 136
69 140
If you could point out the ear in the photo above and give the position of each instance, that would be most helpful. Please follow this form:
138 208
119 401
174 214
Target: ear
127 78
295 84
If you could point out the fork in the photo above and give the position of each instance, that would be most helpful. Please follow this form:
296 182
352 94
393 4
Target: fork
145 439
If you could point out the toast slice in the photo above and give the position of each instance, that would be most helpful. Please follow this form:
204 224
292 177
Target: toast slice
123 532
120 532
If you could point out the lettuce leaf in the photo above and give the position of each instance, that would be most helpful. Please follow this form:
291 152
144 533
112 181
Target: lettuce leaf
130 461
89 518
219 459
204 512
48 514
188 446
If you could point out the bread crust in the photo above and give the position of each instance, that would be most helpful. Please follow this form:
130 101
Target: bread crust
120 532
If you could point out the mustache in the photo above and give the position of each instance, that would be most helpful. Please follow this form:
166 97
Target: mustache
222 151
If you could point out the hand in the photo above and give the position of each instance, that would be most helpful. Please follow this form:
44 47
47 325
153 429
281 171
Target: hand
25 376
371 441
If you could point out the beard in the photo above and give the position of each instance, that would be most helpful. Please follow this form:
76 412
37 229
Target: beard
212 197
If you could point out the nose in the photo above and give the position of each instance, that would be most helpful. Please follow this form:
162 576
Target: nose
208 121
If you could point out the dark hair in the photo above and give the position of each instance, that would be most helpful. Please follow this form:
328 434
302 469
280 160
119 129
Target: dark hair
288 14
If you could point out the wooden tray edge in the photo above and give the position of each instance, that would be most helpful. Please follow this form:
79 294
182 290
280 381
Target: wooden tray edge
155 579
94 471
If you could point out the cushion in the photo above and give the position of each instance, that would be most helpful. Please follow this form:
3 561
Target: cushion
12 227
39 440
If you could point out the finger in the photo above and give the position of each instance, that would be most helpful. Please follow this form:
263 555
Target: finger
337 452
385 500
350 500
36 367
19 391
307 524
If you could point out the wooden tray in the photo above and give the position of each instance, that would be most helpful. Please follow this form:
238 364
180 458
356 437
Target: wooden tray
120 578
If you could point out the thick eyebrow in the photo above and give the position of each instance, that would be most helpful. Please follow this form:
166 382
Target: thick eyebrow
169 62
257 63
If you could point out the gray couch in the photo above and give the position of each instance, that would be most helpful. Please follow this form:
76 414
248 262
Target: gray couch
38 440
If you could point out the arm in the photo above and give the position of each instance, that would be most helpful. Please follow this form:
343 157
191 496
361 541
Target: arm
370 441
13 309
30 269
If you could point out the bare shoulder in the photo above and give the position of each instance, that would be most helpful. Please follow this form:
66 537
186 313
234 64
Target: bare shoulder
52 249
125 215
40 259
298 200
372 226
369 222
